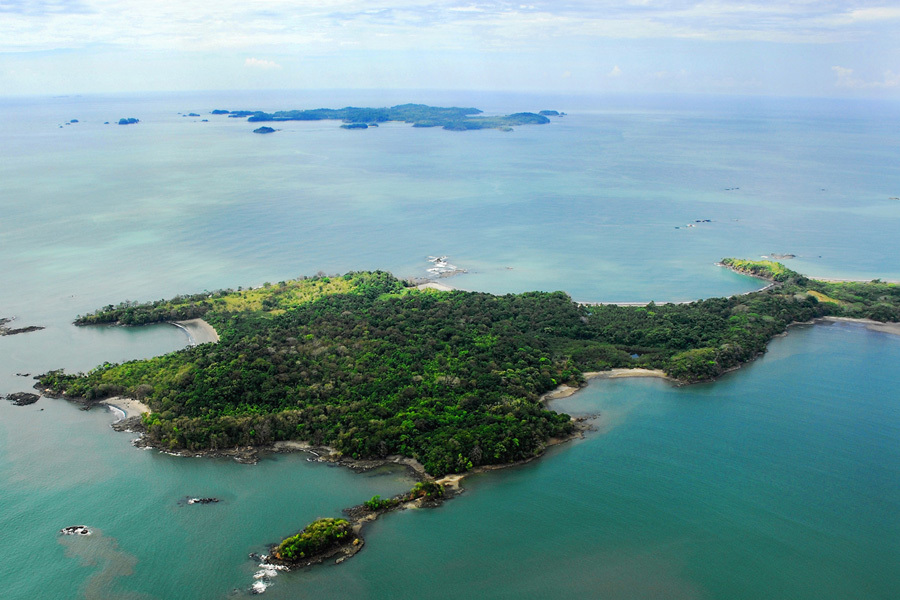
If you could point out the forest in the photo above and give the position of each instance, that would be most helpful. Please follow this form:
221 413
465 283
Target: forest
419 115
372 366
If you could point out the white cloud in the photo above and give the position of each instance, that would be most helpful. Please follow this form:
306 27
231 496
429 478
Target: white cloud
258 63
196 25
877 13
615 72
846 79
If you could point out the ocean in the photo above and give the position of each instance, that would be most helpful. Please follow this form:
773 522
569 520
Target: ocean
780 480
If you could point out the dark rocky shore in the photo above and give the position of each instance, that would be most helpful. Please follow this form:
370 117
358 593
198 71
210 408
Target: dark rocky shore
4 330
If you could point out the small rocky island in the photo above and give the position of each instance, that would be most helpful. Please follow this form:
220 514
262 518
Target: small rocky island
4 330
22 398
263 130
128 121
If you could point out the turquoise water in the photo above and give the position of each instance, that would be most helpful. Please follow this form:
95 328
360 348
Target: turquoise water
781 480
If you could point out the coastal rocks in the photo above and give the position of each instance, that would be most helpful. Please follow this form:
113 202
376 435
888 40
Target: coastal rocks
22 398
130 425
782 256
248 455
4 330
443 268
75 530
202 500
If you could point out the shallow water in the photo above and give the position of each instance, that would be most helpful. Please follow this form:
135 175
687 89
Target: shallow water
780 480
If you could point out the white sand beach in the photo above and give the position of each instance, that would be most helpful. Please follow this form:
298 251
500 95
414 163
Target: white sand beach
129 406
199 331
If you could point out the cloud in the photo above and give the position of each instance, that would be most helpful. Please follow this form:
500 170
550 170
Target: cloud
875 13
258 63
846 79
615 72
192 25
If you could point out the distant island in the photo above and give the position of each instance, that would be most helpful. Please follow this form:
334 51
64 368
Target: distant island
371 366
263 130
419 115
128 121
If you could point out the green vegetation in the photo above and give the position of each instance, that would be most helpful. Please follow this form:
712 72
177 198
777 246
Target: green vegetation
318 537
379 503
371 367
429 490
767 269
420 115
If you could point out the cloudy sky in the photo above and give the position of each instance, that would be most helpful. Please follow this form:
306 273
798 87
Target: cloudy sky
784 47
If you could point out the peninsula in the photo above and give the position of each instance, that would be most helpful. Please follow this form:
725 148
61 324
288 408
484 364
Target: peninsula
419 115
372 367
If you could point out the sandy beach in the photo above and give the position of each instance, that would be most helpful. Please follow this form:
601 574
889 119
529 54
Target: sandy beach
564 391
198 330
433 285
893 328
129 406
621 373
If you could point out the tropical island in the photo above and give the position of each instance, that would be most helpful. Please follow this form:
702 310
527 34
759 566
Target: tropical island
419 115
372 367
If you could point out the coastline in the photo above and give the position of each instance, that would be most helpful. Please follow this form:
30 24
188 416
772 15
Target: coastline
129 407
198 331
564 391
871 325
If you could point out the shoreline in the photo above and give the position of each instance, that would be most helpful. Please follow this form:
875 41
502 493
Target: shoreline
198 331
871 324
129 407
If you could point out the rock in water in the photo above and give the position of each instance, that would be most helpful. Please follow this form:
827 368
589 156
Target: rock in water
75 530
23 398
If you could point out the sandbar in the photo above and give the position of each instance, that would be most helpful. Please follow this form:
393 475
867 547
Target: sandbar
893 328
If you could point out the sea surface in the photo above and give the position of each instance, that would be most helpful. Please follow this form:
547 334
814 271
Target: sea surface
781 480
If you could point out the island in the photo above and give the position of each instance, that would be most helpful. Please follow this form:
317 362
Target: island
263 130
327 537
419 115
128 121
372 367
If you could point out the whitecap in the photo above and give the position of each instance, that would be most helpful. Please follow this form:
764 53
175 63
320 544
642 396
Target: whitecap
258 587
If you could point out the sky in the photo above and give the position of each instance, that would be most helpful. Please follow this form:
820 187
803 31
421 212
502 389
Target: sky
813 48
